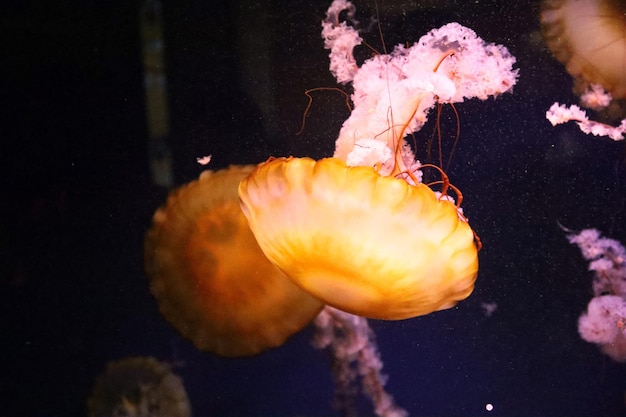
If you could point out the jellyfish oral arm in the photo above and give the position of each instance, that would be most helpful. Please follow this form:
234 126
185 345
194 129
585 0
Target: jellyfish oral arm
560 113
604 322
351 341
394 93
341 40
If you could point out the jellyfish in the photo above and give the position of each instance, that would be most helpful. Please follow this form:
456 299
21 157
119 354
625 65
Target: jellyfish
589 38
360 231
139 387
209 276
371 245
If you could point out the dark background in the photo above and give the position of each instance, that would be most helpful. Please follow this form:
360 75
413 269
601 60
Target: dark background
78 197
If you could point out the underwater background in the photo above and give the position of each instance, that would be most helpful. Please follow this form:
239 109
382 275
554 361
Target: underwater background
80 191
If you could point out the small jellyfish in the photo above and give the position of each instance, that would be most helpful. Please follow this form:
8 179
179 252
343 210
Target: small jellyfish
139 387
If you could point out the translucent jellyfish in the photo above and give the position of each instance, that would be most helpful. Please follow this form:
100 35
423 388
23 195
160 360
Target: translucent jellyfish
359 231
140 387
209 276
589 37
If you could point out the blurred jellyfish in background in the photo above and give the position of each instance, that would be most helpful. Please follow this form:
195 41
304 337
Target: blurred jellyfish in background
589 38
138 387
211 280
604 323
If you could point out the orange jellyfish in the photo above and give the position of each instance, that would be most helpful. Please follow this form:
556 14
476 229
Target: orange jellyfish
367 244
360 231
589 37
209 276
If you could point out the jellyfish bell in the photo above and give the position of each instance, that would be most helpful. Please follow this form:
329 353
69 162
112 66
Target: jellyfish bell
209 276
589 38
364 243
